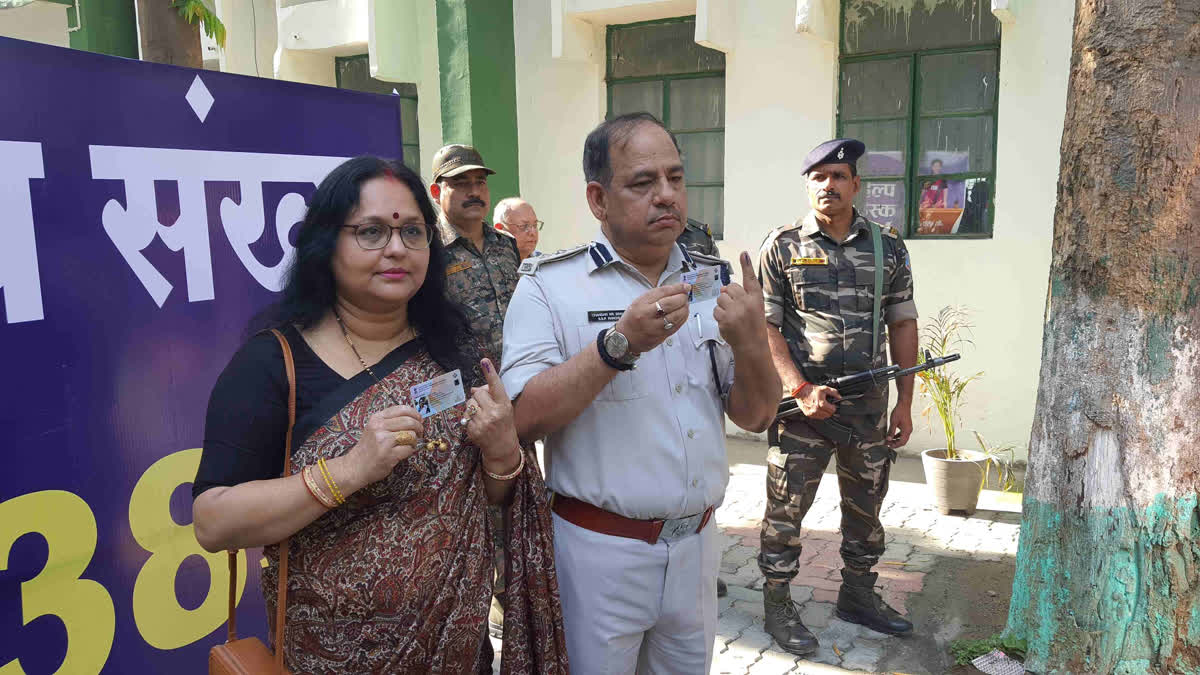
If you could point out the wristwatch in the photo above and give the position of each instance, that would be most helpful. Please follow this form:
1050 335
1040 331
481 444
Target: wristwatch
614 349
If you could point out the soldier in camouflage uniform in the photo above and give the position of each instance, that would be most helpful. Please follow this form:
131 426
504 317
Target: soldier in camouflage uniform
697 238
818 278
481 261
481 275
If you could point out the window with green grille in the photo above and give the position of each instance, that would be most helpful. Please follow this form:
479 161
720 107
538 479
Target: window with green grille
918 84
657 67
354 72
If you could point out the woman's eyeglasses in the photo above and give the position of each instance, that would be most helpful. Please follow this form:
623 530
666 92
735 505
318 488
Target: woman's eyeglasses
374 236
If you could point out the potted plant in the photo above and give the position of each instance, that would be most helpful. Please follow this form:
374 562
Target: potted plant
956 475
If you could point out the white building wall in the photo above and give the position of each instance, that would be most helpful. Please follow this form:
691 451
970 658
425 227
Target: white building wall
332 28
251 37
779 103
404 48
781 89
558 102
1003 280
42 22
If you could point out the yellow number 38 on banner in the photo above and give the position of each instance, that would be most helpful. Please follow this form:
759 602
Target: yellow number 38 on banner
85 607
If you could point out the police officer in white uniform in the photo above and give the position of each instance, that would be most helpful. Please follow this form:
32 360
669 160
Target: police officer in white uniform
629 384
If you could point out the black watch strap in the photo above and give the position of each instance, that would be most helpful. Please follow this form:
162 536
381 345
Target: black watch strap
604 355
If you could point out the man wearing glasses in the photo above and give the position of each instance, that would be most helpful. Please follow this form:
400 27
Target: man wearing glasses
481 261
517 217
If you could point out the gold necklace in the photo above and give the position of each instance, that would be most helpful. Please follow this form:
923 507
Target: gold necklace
434 443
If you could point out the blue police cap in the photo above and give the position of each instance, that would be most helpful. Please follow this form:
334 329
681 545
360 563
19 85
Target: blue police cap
837 151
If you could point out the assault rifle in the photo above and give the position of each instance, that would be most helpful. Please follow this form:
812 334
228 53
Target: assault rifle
856 386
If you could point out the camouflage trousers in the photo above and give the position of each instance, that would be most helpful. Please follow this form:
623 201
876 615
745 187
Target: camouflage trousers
796 458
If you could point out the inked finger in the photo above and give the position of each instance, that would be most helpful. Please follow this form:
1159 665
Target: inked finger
749 277
495 384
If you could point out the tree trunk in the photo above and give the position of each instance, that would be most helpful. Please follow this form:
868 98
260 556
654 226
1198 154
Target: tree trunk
1108 569
166 37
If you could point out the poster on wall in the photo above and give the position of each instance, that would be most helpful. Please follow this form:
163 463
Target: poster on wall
941 201
146 216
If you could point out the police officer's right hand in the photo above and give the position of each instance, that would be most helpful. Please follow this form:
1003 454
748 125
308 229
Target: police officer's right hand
814 401
377 451
644 326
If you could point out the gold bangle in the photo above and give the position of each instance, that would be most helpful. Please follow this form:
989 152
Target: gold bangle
314 490
509 476
333 486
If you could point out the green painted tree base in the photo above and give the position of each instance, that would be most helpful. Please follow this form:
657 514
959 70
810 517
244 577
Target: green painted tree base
1111 582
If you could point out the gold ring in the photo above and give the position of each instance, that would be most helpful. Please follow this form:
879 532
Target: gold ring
472 409
405 438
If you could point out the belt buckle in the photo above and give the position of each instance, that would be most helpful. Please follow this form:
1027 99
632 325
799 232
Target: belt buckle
676 528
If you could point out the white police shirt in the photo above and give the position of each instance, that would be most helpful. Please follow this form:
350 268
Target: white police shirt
652 443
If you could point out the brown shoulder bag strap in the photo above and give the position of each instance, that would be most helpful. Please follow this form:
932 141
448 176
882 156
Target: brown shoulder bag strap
281 598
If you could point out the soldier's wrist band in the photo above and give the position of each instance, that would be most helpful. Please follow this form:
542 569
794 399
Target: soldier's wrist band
799 390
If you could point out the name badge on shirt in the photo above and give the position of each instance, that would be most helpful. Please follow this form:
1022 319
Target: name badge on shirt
796 260
465 265
604 315
442 392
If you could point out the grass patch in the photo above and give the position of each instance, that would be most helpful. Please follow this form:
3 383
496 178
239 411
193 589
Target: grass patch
965 651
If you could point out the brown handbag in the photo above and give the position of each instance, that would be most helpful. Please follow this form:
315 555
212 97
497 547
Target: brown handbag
249 656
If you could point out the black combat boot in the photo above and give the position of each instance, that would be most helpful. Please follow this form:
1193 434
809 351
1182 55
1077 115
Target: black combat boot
859 603
783 621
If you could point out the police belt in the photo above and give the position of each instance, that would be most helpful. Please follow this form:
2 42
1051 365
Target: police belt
596 519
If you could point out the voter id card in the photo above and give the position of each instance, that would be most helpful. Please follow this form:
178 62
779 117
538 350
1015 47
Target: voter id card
706 284
440 393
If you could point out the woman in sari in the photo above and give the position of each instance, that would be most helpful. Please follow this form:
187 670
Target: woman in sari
390 562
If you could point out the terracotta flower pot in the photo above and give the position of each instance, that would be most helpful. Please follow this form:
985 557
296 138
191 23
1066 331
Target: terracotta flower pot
955 483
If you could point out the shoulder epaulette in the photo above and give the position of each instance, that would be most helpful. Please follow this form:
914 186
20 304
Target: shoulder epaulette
774 234
698 226
530 265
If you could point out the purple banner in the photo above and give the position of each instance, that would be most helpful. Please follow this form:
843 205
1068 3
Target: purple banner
145 215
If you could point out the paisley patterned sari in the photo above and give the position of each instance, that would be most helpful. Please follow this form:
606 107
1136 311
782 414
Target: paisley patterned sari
399 578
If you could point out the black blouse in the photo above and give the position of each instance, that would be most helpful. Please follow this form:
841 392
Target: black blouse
246 423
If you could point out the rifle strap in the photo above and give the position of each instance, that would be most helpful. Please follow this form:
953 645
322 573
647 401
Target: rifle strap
877 245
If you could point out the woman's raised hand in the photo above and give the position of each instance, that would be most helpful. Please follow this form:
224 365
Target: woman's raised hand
388 437
491 426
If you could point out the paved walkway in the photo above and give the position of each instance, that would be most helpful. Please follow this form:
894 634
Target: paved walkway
917 535
918 539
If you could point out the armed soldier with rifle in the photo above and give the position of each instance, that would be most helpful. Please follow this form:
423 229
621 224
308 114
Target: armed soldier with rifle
831 282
